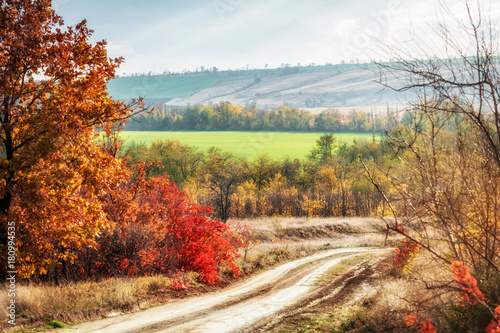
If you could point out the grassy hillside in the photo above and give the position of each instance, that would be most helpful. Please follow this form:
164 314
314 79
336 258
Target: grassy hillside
161 87
245 144
336 86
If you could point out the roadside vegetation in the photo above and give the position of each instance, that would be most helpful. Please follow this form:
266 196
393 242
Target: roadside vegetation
92 227
271 241
445 198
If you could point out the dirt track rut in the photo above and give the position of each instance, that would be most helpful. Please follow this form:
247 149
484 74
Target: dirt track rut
235 309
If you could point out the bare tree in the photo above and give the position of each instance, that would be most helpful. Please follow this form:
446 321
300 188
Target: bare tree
448 181
460 74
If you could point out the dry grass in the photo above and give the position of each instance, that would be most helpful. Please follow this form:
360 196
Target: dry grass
342 318
351 224
288 238
334 271
266 255
73 302
413 293
321 233
386 300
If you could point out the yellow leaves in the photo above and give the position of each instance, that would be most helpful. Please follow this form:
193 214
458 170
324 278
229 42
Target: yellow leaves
277 183
327 179
312 207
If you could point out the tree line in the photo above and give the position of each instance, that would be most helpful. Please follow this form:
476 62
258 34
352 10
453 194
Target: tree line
330 181
224 116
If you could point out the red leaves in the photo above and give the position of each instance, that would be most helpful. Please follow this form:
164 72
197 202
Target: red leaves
423 327
494 326
243 236
426 327
469 292
405 253
158 228
177 283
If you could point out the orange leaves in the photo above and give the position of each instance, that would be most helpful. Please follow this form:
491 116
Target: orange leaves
59 209
494 326
405 255
53 173
468 292
423 327
77 206
411 320
158 229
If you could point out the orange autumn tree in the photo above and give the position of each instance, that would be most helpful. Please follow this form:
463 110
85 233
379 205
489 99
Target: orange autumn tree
53 101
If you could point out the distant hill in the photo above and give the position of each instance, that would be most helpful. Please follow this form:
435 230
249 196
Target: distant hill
318 87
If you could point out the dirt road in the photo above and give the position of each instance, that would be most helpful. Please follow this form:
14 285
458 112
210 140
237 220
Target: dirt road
236 309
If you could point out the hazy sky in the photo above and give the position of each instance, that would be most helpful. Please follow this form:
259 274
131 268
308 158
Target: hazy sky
159 35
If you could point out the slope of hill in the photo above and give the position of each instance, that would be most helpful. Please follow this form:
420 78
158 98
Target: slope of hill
338 86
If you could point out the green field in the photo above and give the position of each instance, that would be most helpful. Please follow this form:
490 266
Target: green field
159 86
245 144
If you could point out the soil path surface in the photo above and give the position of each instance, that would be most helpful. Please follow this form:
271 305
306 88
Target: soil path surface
239 308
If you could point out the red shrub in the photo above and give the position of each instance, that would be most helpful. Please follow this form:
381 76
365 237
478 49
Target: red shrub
158 229
405 254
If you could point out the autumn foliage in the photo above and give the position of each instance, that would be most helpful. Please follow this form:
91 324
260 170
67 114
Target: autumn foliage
424 326
244 237
53 101
494 326
405 254
80 211
154 229
158 229
469 293
468 289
